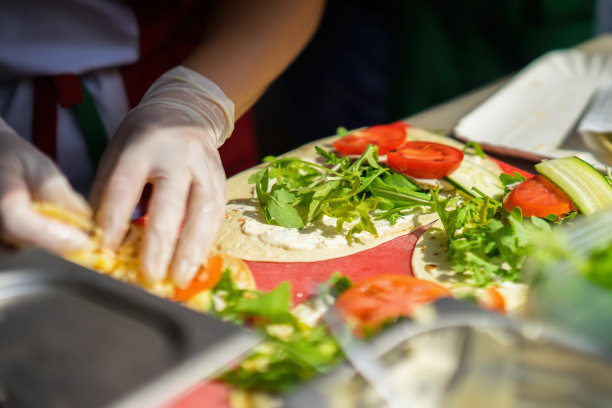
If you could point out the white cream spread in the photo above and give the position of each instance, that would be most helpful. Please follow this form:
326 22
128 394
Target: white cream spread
321 235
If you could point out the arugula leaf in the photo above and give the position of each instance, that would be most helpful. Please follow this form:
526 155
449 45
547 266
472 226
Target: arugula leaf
370 156
598 267
350 211
293 193
280 209
337 284
341 131
399 182
474 148
331 159
272 306
398 194
507 179
280 361
486 241
510 181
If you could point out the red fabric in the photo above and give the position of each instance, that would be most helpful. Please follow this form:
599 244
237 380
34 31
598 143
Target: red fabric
169 31
44 116
69 89
239 152
48 91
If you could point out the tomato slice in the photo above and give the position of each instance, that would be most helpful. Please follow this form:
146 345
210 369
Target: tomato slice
206 279
425 159
540 197
492 300
386 137
378 299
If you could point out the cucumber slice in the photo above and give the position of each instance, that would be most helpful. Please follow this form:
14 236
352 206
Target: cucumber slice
586 186
470 175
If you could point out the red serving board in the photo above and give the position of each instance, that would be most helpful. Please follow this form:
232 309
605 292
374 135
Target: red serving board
390 257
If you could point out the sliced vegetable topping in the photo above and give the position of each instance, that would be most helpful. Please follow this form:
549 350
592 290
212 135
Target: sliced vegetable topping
425 159
492 300
386 137
472 179
294 193
485 241
291 351
588 188
206 279
540 197
380 299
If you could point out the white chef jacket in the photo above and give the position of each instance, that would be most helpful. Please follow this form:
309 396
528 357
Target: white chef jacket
90 38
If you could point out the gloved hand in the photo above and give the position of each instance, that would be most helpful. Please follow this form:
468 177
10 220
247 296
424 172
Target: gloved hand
170 140
26 176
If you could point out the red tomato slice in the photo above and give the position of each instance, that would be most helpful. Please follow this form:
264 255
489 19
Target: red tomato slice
204 280
386 137
492 300
378 299
540 197
425 159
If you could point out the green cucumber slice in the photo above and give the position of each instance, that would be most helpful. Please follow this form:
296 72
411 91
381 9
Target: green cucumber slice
470 175
587 187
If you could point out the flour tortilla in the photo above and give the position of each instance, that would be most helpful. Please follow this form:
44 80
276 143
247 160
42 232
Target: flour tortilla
429 263
233 241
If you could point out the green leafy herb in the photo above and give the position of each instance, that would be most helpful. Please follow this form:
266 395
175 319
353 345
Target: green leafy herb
510 180
342 131
280 207
485 240
337 284
594 263
291 351
474 148
599 266
294 193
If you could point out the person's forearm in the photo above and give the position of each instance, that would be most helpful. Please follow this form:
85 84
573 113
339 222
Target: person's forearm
250 42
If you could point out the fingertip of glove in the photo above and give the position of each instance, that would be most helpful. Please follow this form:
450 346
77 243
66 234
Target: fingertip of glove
183 272
80 205
152 272
65 240
113 231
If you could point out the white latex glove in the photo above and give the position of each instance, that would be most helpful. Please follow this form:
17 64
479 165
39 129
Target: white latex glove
170 139
27 175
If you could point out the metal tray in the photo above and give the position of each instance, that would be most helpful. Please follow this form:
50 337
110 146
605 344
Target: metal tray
70 337
459 355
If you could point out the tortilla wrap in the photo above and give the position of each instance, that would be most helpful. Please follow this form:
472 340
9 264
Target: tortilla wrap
319 242
429 263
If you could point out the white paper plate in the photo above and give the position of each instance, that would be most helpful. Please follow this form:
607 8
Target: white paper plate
535 115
